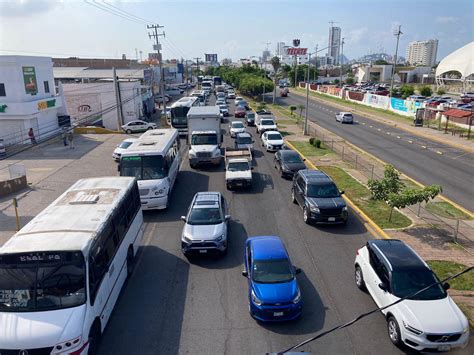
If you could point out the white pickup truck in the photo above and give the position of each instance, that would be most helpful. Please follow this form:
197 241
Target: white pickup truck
238 168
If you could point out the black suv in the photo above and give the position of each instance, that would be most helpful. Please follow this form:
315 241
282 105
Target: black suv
319 197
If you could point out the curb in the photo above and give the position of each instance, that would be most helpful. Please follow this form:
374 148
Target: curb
371 226
397 125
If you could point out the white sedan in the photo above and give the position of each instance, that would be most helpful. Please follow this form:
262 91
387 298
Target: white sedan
236 127
272 141
138 126
237 99
122 147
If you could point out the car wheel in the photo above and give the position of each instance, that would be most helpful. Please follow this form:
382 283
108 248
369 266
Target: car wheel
305 215
228 187
149 128
394 331
359 278
293 199
128 131
94 339
281 172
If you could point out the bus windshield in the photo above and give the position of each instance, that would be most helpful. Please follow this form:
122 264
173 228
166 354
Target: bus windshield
42 281
203 139
143 168
179 115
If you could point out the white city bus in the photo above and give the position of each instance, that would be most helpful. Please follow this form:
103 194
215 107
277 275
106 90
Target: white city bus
61 274
179 113
154 159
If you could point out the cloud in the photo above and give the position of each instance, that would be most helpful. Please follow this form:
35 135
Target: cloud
446 19
26 8
357 35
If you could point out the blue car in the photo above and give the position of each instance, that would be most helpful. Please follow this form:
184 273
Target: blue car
274 294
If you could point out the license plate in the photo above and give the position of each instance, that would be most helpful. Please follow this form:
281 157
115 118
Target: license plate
331 219
444 347
203 251
277 314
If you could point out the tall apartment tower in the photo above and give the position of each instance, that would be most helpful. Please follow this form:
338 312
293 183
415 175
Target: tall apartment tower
422 52
334 44
280 48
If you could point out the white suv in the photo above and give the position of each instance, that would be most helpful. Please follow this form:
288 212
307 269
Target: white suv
390 270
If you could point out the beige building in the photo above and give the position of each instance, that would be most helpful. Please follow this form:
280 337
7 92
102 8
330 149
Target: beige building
422 52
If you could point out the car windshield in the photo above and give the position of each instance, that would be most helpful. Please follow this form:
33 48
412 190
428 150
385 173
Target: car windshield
238 166
204 215
274 137
237 125
323 190
272 271
244 140
42 281
223 107
291 158
405 283
268 123
125 145
250 116
204 139
143 168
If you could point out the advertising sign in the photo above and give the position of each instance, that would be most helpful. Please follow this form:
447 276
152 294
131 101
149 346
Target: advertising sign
406 106
358 96
210 57
297 51
377 100
147 76
29 78
82 106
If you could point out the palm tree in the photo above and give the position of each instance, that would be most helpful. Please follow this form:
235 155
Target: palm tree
301 108
275 61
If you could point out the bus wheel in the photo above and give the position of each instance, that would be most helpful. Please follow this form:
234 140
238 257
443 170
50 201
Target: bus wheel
130 261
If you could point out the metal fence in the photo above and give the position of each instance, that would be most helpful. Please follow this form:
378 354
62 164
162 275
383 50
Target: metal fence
453 229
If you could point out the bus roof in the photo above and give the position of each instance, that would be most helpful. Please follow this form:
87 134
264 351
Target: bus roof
152 142
186 101
72 221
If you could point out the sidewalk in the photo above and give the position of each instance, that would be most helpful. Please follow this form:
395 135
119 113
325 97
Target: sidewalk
422 132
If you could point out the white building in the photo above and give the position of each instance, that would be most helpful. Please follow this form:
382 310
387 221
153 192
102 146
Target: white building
378 73
27 98
334 44
95 102
422 52
280 48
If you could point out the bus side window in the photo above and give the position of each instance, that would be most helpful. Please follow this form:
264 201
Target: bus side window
120 222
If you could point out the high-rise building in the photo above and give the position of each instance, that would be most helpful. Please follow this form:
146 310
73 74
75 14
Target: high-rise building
280 48
422 52
266 55
334 44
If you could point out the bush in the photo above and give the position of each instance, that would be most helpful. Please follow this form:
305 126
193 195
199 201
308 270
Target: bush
407 90
317 143
441 91
261 106
425 91
292 108
311 141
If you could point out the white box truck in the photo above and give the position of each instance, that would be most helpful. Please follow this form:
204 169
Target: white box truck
204 135
238 168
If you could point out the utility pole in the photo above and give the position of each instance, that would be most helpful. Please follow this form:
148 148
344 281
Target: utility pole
197 71
397 33
156 36
342 54
118 100
315 63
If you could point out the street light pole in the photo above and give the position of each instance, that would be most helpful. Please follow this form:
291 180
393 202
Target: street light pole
342 55
398 33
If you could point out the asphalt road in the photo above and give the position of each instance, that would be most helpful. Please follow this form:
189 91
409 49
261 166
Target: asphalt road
175 306
420 159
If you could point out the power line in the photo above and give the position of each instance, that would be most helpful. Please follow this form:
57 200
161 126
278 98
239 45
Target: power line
113 12
56 54
125 12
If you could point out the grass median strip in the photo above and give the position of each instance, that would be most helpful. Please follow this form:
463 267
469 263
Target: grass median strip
308 150
445 269
378 211
445 209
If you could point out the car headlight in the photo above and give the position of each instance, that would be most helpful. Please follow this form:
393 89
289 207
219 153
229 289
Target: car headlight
220 238
314 209
192 154
256 300
344 209
284 168
297 297
466 330
186 239
270 146
67 346
216 153
412 329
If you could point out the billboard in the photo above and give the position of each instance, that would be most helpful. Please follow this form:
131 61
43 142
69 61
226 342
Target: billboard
210 57
29 79
296 51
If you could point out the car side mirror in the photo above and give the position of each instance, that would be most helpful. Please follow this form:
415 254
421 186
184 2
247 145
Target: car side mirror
183 218
304 159
297 270
245 274
251 168
227 217
341 192
383 287
118 167
446 286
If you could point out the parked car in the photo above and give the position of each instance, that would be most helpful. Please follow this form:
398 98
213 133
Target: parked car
288 162
266 124
205 227
243 141
430 321
239 112
236 127
138 126
250 118
273 290
159 99
272 141
319 197
3 149
122 147
344 117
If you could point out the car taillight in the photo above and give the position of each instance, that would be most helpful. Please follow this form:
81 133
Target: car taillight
357 252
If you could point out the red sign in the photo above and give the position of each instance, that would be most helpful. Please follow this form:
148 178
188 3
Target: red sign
297 51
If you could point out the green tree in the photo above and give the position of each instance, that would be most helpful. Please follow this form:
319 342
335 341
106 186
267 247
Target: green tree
441 91
301 107
409 197
292 109
407 90
381 62
390 183
425 91
276 66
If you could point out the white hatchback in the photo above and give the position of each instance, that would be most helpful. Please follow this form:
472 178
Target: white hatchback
429 321
272 141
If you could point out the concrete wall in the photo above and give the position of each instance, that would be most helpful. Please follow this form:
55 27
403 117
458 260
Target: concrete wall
11 186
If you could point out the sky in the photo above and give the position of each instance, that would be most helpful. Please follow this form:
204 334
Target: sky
231 28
